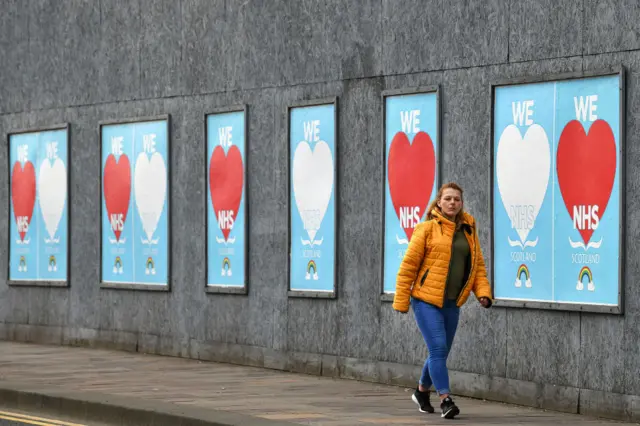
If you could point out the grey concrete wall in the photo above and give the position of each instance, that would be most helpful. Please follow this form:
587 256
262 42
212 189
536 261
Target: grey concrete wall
83 61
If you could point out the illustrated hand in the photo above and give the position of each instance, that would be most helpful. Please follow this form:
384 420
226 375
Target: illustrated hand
485 302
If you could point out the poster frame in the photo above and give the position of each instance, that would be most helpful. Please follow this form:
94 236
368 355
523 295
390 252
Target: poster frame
311 294
619 71
135 286
66 283
417 90
219 289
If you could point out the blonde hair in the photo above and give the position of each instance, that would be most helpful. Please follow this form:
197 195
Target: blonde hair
434 203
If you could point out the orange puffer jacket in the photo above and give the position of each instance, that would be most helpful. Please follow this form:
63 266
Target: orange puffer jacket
425 267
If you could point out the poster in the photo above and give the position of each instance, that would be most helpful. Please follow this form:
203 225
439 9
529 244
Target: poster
312 198
226 187
411 170
135 203
39 206
557 192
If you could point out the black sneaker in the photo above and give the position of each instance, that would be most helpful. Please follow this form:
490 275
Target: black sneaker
449 409
422 399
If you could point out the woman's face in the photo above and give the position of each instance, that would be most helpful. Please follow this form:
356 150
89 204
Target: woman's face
450 202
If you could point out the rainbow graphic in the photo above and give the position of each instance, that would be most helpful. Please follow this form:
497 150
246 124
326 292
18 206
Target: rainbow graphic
522 269
585 272
311 266
117 266
226 267
22 264
150 267
52 263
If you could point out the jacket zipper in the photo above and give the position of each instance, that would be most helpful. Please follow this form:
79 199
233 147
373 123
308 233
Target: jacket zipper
446 280
424 277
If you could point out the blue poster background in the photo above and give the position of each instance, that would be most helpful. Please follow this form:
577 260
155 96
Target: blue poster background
537 260
152 256
32 261
555 272
136 259
603 261
118 257
53 262
312 267
217 252
426 103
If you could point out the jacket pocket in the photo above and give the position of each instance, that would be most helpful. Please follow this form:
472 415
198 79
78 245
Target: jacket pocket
424 277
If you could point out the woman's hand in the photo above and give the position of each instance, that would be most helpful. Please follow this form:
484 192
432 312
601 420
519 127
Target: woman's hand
485 302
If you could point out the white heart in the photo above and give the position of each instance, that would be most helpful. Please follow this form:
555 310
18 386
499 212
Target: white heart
312 183
52 193
523 169
150 190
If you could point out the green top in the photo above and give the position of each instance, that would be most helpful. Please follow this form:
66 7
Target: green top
459 257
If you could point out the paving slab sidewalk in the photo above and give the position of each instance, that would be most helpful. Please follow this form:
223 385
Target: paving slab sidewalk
217 390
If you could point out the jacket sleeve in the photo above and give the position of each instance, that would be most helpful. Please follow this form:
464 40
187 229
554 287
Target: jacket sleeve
409 268
481 286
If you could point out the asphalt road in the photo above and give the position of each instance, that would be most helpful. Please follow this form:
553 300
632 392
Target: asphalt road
14 418
12 423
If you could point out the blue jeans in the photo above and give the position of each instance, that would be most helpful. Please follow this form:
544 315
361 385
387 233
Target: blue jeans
438 327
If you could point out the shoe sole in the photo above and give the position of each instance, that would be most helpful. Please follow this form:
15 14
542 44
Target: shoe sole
414 399
451 413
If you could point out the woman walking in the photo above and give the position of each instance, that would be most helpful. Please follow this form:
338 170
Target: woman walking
442 266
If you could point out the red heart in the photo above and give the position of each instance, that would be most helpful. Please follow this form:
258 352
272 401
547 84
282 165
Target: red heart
586 169
117 190
23 192
225 185
412 171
